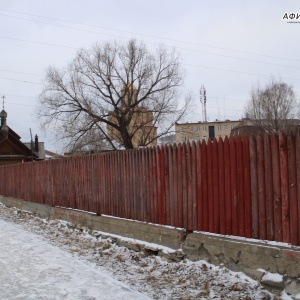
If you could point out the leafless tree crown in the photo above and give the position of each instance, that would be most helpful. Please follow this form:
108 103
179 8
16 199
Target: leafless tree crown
273 108
112 86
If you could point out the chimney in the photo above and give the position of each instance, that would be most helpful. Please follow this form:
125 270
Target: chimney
36 143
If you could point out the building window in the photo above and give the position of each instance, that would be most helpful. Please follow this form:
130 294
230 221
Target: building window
181 130
191 138
198 128
182 139
231 126
204 128
219 127
225 127
198 138
191 129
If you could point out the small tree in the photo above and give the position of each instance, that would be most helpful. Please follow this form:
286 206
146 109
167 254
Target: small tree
112 86
273 108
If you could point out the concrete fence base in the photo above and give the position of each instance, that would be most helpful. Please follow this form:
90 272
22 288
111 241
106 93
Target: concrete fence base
254 258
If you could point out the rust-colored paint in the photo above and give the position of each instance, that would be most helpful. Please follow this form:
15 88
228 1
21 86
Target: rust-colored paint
261 188
294 221
284 188
247 187
210 187
269 188
204 186
221 188
234 186
240 185
298 176
227 174
215 175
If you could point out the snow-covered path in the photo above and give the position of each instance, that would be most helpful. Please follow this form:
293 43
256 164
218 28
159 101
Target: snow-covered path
31 268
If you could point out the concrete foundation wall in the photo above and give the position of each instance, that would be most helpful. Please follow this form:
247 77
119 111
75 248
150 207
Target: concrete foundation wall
236 254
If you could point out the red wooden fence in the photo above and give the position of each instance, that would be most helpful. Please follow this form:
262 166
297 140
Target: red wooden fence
240 186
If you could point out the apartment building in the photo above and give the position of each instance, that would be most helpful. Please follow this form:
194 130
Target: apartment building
203 130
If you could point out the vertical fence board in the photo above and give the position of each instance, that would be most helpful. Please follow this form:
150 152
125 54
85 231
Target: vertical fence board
227 174
199 188
179 188
221 179
170 185
269 188
194 185
261 188
189 214
298 176
276 188
210 187
184 187
294 228
254 187
216 199
234 186
240 181
204 176
247 188
284 188
175 180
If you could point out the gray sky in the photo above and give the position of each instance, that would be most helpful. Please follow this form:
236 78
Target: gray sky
228 46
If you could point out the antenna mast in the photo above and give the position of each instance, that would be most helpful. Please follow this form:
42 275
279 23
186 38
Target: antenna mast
203 101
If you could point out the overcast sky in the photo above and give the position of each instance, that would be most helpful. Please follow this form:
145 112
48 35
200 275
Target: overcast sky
228 46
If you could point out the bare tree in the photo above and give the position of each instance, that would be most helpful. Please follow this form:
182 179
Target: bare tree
274 107
120 93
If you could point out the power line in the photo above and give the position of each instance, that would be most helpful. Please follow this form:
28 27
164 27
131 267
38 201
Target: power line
24 81
226 70
1 70
41 43
181 48
152 36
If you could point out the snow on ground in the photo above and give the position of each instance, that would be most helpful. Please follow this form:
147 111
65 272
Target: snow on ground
54 255
31 268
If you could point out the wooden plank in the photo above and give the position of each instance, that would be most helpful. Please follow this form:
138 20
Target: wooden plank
234 186
276 188
298 175
184 187
194 175
199 188
261 188
269 188
210 187
204 176
227 183
284 188
294 217
175 203
179 220
216 199
247 187
189 217
221 180
254 187
240 180
170 185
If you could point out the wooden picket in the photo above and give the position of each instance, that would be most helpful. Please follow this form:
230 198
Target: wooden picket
243 186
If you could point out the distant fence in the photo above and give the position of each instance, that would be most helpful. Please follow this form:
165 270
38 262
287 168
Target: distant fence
241 186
